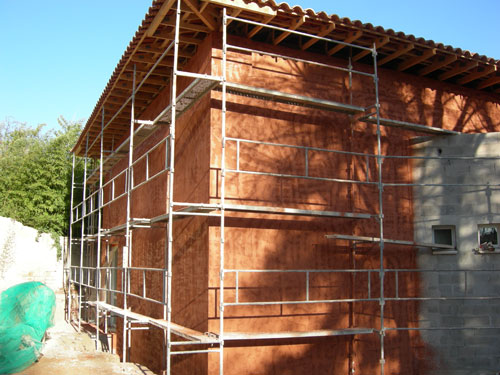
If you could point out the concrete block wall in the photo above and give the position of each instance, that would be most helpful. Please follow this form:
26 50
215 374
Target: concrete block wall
468 351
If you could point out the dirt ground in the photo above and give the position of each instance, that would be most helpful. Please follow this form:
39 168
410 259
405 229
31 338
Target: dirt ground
67 352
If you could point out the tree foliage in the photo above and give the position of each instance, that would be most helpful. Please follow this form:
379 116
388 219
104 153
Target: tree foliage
35 174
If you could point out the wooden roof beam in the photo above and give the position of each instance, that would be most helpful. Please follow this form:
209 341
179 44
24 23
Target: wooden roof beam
378 44
147 60
128 86
476 75
159 17
167 35
159 81
187 26
119 117
489 82
206 19
117 124
416 60
458 69
233 13
396 54
294 26
118 101
112 126
351 37
157 51
256 29
164 71
151 29
323 32
123 93
437 64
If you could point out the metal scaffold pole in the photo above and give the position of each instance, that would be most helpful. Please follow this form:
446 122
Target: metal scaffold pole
82 243
222 192
99 231
128 231
70 239
168 256
380 185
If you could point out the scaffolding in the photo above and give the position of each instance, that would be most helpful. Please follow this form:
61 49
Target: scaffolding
98 193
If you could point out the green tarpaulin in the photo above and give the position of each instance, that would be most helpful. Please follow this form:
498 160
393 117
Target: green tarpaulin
26 311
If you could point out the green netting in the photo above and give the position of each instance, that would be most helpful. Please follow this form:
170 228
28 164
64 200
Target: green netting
26 311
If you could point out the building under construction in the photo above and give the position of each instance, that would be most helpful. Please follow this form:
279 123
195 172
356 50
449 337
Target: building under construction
271 190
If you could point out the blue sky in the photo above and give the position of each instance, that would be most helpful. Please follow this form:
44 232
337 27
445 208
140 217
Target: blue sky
56 56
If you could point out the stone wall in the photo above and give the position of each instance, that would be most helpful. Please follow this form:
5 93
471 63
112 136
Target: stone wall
27 255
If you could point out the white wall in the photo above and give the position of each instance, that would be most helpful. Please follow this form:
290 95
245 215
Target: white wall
26 255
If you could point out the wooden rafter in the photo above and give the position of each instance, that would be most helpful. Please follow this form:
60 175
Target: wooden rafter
167 35
256 29
152 28
401 51
163 71
205 18
159 17
232 13
114 101
378 44
458 69
416 60
324 31
159 81
123 93
167 61
124 117
159 51
351 37
128 85
116 127
476 75
489 82
437 64
187 26
294 26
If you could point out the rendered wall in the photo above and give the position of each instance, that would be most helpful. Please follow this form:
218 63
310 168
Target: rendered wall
469 351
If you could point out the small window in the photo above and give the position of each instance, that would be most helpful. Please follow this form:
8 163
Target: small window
488 236
443 235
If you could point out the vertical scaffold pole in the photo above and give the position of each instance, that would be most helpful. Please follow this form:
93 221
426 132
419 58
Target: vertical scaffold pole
222 192
380 185
70 238
99 232
168 256
128 234
82 246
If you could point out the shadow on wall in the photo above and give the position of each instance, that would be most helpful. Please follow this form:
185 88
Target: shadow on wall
434 103
284 243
